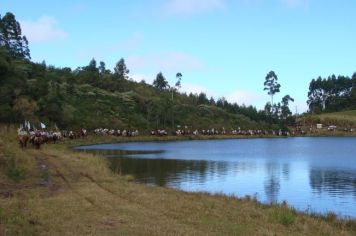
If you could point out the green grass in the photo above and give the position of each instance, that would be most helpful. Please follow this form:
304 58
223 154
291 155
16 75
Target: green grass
283 214
343 119
13 170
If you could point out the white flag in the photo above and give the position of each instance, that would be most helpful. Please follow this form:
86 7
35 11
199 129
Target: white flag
43 126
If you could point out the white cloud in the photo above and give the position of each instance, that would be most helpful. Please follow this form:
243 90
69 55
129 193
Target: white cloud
166 61
129 44
42 30
188 7
196 89
243 97
139 77
186 87
126 45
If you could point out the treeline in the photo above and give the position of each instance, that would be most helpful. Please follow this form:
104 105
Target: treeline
94 96
332 94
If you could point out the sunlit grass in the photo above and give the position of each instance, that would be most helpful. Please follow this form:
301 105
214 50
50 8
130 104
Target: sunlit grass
344 118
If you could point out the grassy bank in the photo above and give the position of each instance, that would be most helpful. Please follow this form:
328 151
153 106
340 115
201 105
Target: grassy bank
344 116
55 191
344 119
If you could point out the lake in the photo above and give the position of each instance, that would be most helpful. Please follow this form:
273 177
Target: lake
311 174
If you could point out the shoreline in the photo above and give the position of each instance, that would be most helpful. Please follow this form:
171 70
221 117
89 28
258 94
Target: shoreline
97 139
87 198
208 138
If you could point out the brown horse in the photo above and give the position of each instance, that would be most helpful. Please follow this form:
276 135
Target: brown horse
23 140
37 141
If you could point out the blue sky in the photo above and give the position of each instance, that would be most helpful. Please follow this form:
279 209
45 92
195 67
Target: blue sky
222 47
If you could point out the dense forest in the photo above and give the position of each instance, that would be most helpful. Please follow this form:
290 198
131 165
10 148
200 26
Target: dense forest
332 94
94 96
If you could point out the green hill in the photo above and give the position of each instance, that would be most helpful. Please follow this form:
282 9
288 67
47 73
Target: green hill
342 119
93 96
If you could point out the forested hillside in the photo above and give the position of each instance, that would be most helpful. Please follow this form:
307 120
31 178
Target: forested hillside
94 96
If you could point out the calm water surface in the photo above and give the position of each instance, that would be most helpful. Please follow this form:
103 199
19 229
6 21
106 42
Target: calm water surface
311 174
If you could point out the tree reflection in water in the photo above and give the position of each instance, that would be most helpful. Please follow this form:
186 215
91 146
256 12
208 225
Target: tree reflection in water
272 182
333 182
163 172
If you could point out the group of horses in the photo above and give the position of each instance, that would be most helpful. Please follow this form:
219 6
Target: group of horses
116 132
39 137
222 131
180 132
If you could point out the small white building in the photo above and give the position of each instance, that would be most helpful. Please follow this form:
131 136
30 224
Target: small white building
319 126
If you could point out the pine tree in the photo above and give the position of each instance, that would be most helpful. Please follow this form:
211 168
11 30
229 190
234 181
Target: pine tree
121 70
160 82
11 37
